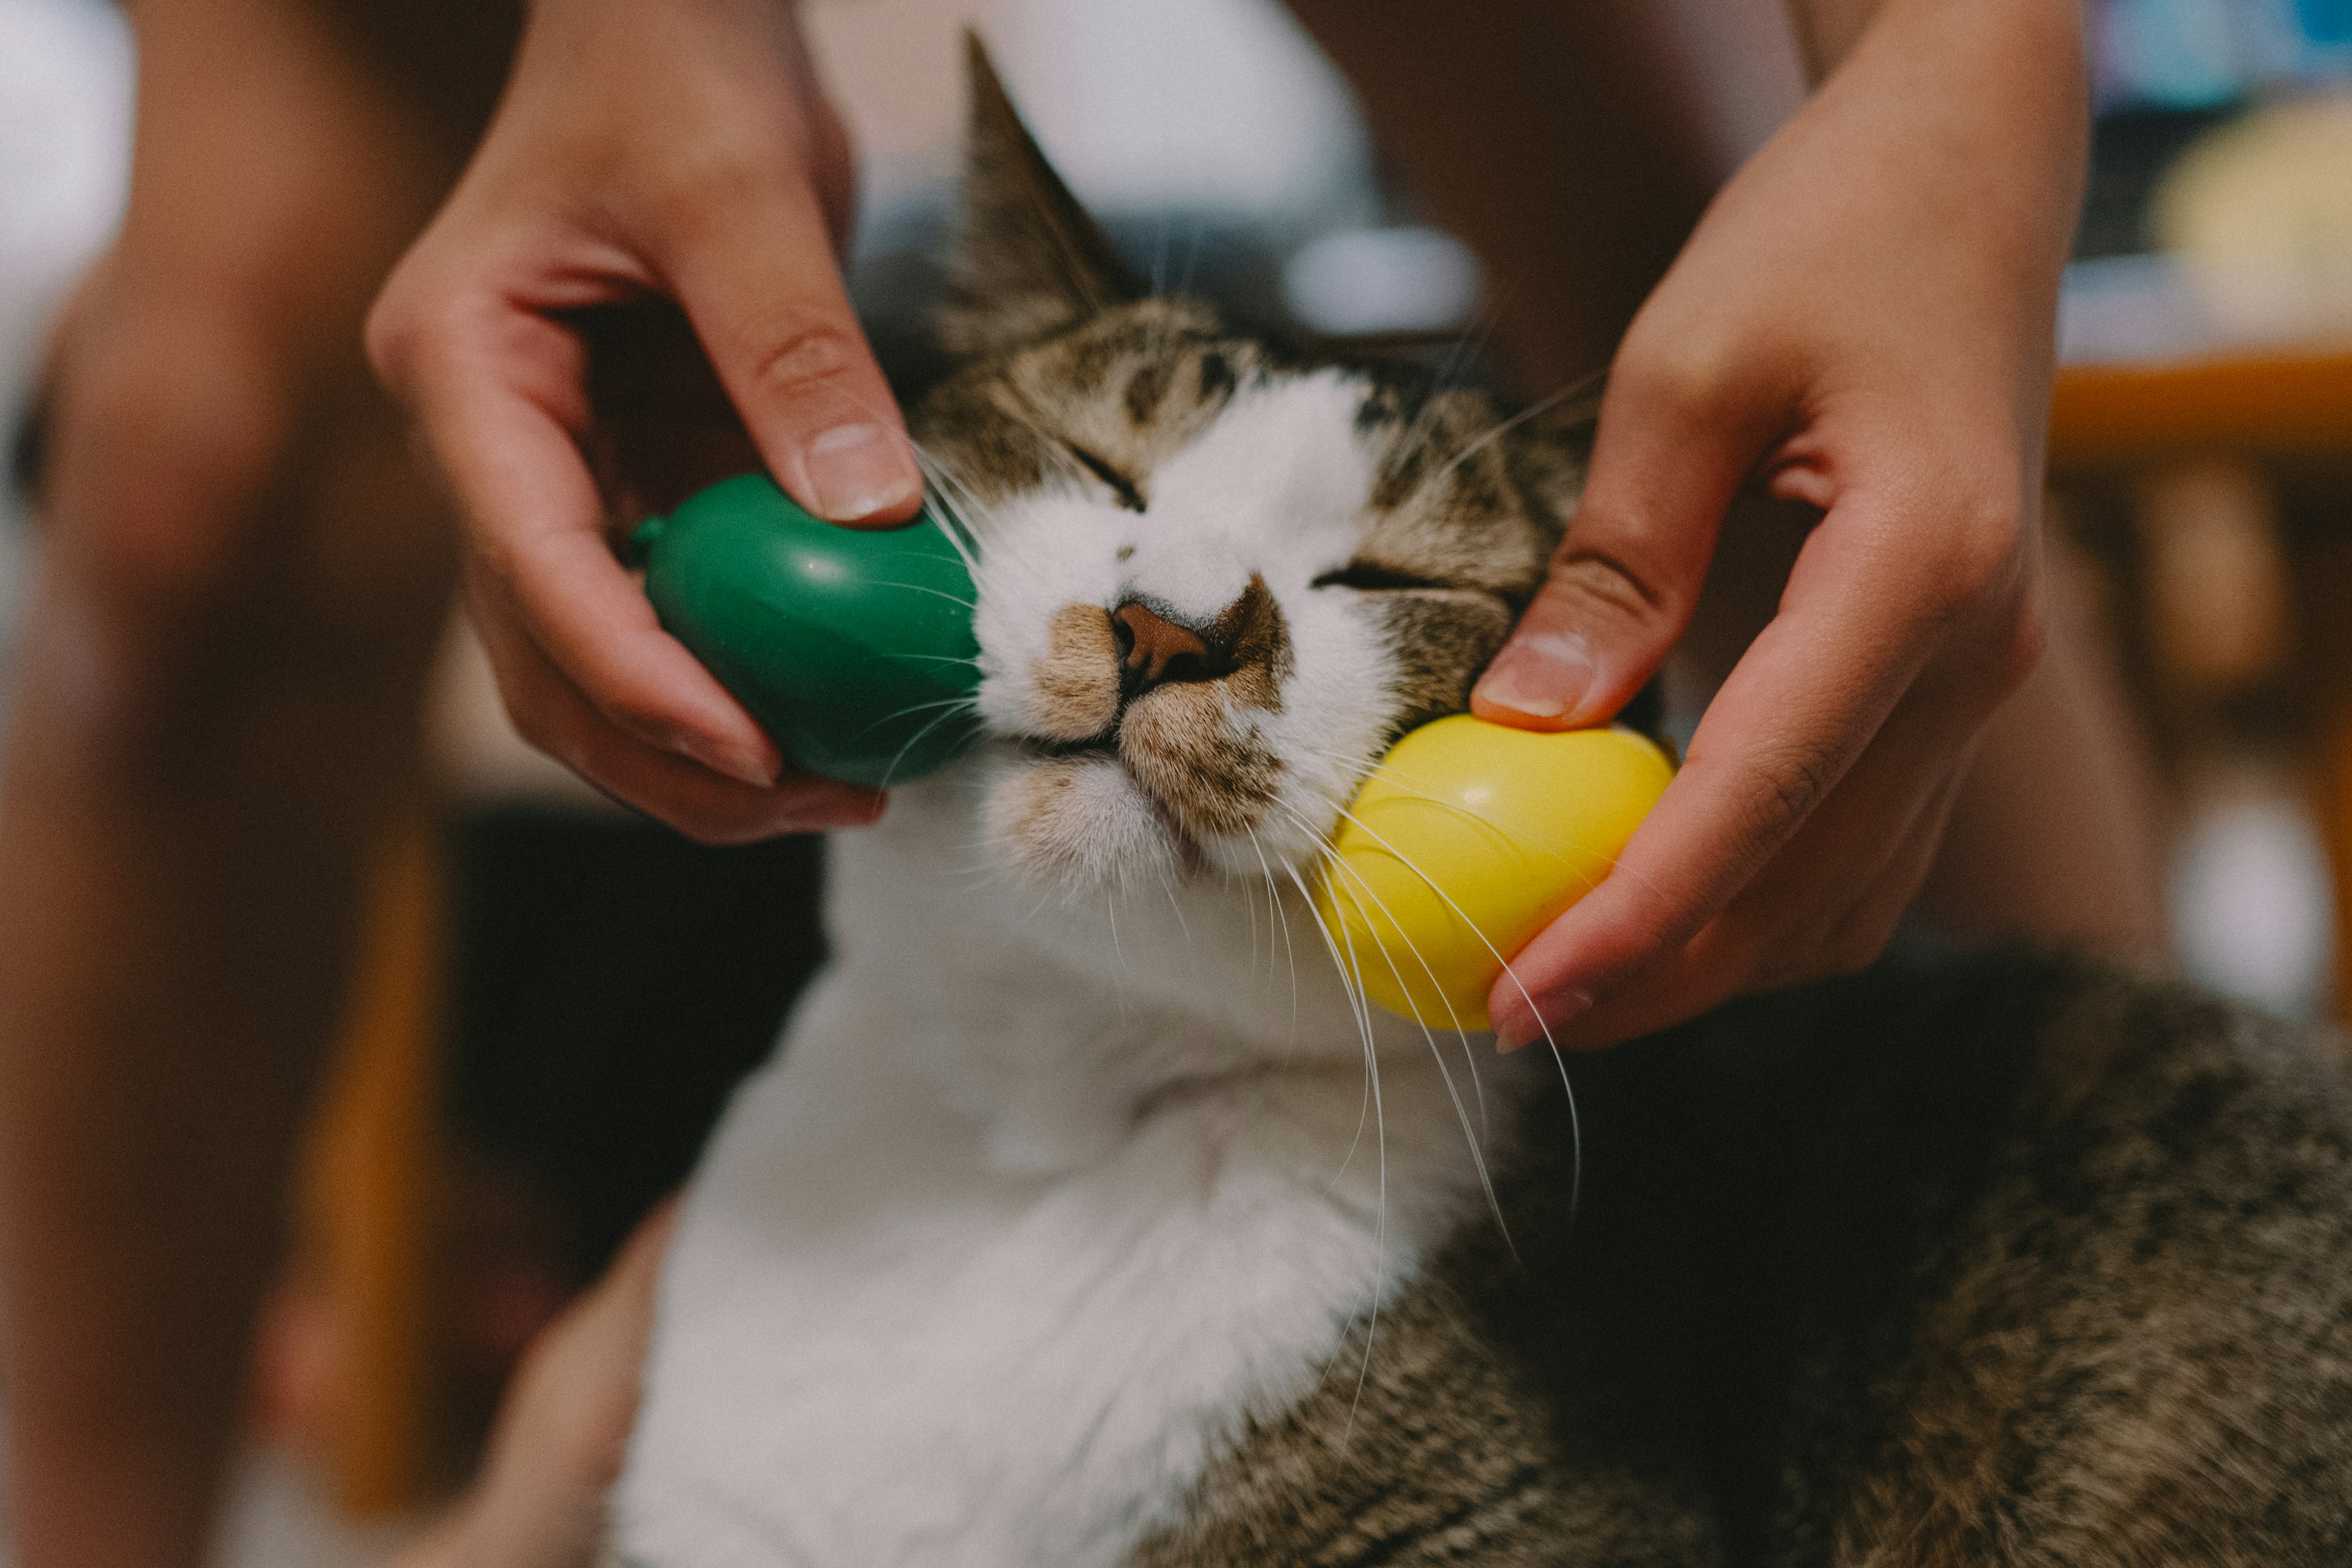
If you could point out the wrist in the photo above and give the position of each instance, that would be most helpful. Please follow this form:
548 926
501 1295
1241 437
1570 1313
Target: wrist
1990 99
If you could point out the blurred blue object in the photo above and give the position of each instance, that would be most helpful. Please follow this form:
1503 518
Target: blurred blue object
2326 23
2180 54
2194 54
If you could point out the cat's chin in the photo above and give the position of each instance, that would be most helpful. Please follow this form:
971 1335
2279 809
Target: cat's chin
1079 821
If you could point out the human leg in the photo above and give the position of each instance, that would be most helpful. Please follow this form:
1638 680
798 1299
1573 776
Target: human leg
243 573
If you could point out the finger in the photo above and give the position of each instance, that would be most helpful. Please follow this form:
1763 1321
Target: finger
1729 959
1833 916
1862 615
539 556
699 803
562 1430
759 279
1670 451
622 1302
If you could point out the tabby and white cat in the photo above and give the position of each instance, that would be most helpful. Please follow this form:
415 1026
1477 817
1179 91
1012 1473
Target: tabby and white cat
1084 1218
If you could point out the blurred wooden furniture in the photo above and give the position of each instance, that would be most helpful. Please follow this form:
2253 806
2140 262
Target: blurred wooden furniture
2259 404
2288 409
368 1200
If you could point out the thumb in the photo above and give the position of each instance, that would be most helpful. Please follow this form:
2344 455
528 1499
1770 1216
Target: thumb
764 289
1629 568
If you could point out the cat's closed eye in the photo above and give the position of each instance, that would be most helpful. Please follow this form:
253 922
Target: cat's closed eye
1128 494
1366 577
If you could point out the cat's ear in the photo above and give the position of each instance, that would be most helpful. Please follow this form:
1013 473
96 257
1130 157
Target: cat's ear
1028 261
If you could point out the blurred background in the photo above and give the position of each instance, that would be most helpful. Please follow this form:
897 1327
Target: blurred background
556 998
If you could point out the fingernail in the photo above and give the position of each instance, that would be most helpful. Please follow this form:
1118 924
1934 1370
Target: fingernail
735 763
1524 1029
1543 675
858 470
836 806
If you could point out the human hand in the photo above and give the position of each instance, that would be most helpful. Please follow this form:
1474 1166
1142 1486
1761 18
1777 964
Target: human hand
647 151
1863 323
563 1428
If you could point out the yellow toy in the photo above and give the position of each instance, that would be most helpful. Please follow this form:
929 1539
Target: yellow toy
1468 839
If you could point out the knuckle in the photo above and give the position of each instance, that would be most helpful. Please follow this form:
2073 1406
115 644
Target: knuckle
1794 781
1981 554
404 327
1787 781
1599 578
164 492
803 354
695 184
1687 375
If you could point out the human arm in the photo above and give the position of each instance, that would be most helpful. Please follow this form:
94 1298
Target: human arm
1861 323
725 188
556 1449
1858 321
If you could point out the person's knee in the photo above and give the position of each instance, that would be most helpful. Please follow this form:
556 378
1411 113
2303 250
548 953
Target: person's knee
164 470
216 535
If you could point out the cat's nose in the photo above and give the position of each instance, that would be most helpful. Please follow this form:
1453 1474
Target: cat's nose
1155 650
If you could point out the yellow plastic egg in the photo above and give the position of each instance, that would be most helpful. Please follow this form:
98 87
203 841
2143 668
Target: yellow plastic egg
1468 839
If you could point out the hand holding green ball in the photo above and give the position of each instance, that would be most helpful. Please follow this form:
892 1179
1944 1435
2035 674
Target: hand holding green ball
851 646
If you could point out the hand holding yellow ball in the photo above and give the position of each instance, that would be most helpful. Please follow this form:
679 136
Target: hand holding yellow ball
1467 841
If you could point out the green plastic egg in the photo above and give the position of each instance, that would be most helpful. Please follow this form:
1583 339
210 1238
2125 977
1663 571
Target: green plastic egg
851 646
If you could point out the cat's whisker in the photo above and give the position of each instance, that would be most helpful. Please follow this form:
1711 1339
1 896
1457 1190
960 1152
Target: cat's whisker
926 657
1381 1143
963 704
1575 1121
962 604
1536 410
1119 952
1274 899
1249 900
957 499
1169 888
951 524
965 701
1333 862
1352 981
1611 864
1446 1075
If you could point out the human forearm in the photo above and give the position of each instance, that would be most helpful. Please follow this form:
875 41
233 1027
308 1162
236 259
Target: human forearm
1861 323
1828 30
1540 134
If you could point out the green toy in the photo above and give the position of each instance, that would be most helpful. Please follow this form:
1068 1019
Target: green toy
851 646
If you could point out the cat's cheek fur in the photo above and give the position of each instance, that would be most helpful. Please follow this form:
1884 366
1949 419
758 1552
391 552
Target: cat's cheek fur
1076 824
1043 557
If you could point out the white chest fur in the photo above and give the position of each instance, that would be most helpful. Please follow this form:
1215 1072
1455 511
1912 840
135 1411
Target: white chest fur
985 1267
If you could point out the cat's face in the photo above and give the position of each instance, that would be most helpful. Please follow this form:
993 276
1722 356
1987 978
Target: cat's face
1215 580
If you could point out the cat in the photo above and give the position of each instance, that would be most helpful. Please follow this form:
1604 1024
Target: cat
1085 1218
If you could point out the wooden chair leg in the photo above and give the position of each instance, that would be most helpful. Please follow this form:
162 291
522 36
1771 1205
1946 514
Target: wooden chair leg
370 1193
